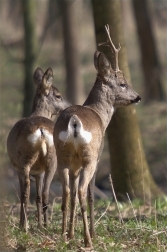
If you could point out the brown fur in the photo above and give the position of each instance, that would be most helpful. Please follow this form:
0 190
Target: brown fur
78 158
30 146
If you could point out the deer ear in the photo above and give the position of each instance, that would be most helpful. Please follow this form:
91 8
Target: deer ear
102 64
38 75
47 79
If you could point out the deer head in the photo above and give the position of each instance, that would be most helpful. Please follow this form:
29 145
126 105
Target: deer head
47 101
113 77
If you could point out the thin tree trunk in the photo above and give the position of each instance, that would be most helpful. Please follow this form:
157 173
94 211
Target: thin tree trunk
129 168
75 90
29 51
150 62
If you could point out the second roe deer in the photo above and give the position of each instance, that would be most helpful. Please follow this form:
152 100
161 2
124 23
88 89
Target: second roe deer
30 145
78 138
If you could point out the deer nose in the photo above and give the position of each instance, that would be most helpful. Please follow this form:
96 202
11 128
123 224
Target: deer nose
137 100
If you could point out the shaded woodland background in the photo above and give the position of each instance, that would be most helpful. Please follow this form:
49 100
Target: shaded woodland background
42 39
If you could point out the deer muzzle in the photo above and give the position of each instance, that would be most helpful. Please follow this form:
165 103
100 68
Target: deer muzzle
136 100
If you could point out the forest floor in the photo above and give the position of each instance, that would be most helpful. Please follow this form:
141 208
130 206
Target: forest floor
119 227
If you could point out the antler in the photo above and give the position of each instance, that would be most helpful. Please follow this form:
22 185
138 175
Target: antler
113 48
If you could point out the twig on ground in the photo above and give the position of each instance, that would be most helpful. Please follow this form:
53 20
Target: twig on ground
142 171
102 214
157 233
16 191
132 209
111 183
45 236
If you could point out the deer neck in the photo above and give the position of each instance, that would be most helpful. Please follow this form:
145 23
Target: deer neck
42 113
101 101
40 109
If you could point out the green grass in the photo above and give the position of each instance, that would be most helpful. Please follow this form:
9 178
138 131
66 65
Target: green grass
144 228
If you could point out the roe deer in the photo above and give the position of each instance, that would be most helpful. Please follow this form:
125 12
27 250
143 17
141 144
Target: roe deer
30 145
78 138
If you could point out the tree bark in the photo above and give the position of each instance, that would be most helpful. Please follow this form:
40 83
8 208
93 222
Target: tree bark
129 168
150 62
29 52
74 88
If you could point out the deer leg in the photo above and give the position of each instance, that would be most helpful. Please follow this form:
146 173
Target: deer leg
91 204
87 175
24 181
39 185
64 177
45 196
73 192
21 199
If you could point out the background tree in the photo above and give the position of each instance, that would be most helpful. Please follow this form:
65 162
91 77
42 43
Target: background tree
50 51
74 87
28 8
150 62
129 168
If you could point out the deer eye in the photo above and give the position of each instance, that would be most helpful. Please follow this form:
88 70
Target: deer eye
123 86
58 97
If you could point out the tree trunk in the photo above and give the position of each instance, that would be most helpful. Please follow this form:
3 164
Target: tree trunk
129 168
29 52
2 215
150 63
74 91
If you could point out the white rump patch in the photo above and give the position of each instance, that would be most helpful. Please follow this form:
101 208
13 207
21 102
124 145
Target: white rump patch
48 137
42 136
34 137
82 136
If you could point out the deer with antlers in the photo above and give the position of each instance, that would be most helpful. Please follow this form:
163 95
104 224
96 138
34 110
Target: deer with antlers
30 145
78 138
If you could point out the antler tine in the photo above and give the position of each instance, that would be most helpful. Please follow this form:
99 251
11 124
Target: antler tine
112 46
